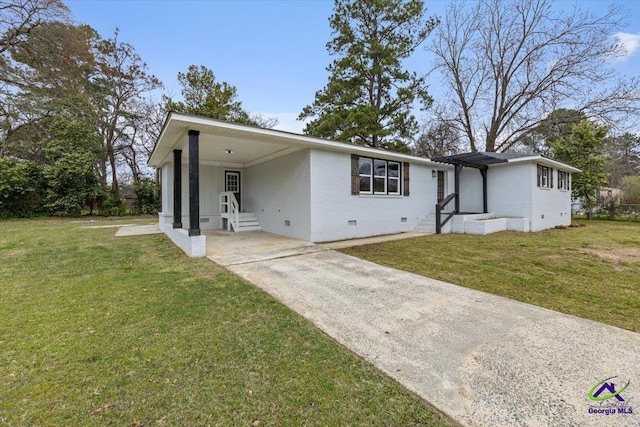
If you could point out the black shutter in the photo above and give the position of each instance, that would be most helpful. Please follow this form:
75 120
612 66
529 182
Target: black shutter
355 175
405 189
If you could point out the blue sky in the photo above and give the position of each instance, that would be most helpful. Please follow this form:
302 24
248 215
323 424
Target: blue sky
273 51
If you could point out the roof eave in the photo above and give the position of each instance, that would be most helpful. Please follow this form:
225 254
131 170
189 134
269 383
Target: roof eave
547 161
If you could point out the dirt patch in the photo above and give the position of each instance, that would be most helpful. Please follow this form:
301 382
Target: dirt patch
15 252
616 255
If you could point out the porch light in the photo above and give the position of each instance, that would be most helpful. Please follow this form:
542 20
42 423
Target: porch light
433 173
228 151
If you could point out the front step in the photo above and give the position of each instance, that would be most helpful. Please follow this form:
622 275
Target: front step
428 225
248 221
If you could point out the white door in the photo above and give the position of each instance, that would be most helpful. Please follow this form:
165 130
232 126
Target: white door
232 183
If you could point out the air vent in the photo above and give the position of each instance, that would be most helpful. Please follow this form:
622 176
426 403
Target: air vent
287 223
351 223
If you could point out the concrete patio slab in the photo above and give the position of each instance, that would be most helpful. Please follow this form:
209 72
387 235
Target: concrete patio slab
228 248
137 230
482 359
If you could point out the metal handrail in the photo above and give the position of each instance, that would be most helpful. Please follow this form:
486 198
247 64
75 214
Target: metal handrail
439 207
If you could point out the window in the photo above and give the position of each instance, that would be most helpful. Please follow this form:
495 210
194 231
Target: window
440 186
378 176
364 166
545 177
564 180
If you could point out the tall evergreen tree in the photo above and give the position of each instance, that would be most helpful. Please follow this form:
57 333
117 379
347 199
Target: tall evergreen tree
369 96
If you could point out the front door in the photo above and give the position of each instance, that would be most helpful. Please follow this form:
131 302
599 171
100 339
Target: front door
440 186
232 183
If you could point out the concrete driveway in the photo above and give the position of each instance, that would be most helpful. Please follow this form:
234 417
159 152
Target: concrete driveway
483 360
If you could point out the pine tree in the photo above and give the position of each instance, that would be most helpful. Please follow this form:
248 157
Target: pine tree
369 96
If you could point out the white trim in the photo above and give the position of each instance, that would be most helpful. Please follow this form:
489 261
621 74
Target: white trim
542 160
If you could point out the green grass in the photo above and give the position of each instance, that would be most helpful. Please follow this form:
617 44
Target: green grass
97 330
591 272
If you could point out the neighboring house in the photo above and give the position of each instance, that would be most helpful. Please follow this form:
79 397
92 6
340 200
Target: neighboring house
609 195
129 197
219 175
603 197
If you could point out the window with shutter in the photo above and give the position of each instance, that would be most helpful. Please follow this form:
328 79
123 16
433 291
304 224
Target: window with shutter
377 176
545 177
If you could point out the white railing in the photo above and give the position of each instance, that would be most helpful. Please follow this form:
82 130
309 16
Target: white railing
229 209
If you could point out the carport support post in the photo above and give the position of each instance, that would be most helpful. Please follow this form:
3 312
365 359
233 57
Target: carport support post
457 187
177 188
484 190
194 184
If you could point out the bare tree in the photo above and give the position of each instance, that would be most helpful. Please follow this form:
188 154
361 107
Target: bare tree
20 21
508 64
19 17
145 127
122 80
438 138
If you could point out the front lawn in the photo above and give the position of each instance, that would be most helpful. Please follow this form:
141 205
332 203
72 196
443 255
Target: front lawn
98 330
591 271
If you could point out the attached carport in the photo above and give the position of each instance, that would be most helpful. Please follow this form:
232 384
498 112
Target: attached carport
203 141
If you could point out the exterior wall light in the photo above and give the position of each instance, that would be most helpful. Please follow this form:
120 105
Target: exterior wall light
434 173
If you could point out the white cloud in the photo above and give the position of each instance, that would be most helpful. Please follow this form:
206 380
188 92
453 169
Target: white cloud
629 43
287 122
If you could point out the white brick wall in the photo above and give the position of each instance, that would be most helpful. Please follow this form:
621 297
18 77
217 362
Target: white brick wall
278 191
333 206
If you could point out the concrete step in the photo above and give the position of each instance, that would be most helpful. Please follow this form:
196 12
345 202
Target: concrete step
248 221
428 224
248 228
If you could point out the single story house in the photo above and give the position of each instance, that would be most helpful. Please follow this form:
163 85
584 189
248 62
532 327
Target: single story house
219 175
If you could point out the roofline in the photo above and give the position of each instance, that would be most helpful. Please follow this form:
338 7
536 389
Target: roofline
304 140
162 131
542 159
322 143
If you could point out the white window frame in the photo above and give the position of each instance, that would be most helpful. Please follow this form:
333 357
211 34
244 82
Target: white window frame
564 180
545 176
372 176
394 178
382 177
364 175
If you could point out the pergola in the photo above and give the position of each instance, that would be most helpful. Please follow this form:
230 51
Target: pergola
480 161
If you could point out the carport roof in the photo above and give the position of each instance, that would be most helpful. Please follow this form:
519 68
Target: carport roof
229 144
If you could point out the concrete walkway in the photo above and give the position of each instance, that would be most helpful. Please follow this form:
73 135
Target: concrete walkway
482 359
